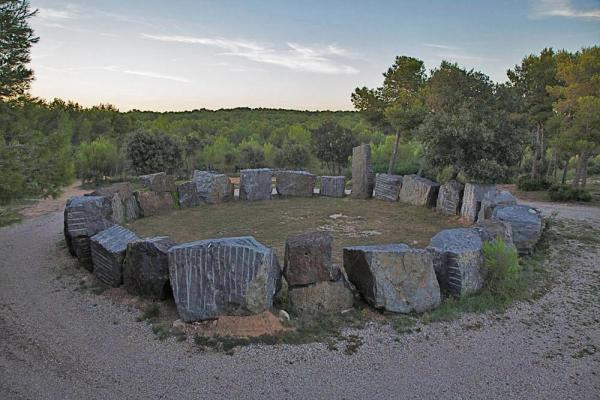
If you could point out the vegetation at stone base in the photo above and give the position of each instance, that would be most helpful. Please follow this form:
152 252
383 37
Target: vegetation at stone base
502 264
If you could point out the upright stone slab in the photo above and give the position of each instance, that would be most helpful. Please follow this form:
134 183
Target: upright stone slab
449 198
419 191
458 260
124 205
213 188
472 198
295 183
188 194
526 224
333 186
229 276
153 203
255 184
108 252
493 199
393 277
308 259
158 182
84 216
387 187
146 267
363 177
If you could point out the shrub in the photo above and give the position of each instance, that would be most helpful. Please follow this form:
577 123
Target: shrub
502 263
154 152
97 160
567 193
528 184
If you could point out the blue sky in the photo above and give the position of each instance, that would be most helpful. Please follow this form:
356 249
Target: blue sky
182 55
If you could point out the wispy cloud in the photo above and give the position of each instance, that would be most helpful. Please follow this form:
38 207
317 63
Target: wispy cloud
441 46
119 69
456 54
319 59
564 8
57 14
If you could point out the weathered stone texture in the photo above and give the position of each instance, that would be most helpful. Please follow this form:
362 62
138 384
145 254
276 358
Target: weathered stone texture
526 224
188 194
256 184
472 198
458 260
146 267
449 199
295 183
387 187
393 277
84 216
212 188
321 297
419 191
490 230
108 252
229 276
333 186
493 199
124 205
153 203
158 182
308 259
363 177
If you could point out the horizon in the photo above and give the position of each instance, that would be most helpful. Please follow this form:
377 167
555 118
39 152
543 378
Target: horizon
310 57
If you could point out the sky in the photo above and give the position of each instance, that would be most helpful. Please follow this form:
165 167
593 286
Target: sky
307 55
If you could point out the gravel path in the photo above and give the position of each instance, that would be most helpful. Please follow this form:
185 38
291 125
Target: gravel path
59 343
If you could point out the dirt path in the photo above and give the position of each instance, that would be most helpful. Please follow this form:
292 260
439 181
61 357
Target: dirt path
60 343
49 205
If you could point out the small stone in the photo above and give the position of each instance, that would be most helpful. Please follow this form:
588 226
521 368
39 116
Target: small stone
179 324
321 297
363 177
387 187
472 198
159 182
108 252
419 191
333 186
283 315
308 259
526 224
256 184
213 188
449 198
153 203
295 183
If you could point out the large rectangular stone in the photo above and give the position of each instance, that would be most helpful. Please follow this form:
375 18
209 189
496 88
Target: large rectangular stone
212 188
108 252
256 184
419 191
333 186
295 183
387 187
363 177
472 198
449 198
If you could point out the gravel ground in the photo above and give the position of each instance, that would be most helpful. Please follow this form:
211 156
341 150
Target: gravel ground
60 343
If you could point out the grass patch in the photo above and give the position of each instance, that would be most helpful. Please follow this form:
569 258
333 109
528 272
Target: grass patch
8 216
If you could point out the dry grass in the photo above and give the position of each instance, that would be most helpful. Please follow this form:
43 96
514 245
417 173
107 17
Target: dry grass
350 221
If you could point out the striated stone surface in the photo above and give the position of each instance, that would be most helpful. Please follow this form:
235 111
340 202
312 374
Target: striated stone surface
308 259
472 198
449 199
153 203
419 191
321 298
458 260
490 230
255 184
84 216
124 205
188 194
146 267
229 276
387 187
159 182
393 277
295 183
333 186
493 199
526 224
108 252
363 177
212 188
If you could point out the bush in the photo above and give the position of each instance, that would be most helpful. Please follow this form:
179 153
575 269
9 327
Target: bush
502 263
150 153
529 185
567 193
97 160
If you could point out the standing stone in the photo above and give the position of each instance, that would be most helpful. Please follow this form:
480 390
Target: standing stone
188 194
333 186
493 199
458 260
124 205
393 277
308 259
229 276
146 267
159 182
153 203
387 187
491 230
363 177
108 253
419 191
472 198
255 184
85 216
449 199
295 183
526 224
213 188
321 297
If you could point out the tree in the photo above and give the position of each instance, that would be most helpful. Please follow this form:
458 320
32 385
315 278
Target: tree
154 152
252 155
396 106
530 80
16 39
332 144
97 160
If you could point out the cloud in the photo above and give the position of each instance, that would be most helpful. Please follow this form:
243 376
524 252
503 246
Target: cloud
456 54
56 14
441 46
323 59
116 68
563 8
